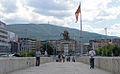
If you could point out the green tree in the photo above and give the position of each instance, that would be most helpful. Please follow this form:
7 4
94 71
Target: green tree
48 48
31 53
110 49
116 51
97 52
106 49
100 52
23 53
103 51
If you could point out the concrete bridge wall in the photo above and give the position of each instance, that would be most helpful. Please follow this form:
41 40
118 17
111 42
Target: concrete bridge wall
111 64
13 64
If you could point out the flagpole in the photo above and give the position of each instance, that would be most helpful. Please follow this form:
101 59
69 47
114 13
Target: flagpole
81 44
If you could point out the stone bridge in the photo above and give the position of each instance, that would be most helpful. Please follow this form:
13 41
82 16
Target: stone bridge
104 65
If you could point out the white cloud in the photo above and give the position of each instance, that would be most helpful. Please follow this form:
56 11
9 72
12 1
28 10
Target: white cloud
63 13
26 12
66 3
8 5
93 29
91 10
22 12
114 30
1 7
112 13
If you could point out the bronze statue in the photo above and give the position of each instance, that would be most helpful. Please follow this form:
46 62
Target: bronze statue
65 35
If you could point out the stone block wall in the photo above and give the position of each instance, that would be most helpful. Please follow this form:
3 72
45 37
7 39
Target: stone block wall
17 63
111 64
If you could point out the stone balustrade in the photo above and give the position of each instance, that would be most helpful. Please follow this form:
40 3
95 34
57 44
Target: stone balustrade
111 64
17 63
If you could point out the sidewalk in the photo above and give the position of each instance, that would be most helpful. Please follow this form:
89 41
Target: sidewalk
61 68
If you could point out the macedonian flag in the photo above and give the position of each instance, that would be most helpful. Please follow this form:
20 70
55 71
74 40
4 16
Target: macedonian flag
77 13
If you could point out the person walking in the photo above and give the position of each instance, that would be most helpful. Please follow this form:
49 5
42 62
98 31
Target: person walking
63 57
59 57
68 58
73 59
91 57
38 53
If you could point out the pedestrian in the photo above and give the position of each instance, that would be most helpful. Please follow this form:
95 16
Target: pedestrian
91 58
69 58
66 58
73 59
46 53
63 57
59 57
38 53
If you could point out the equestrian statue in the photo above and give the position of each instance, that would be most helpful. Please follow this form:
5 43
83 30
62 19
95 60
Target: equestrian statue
65 35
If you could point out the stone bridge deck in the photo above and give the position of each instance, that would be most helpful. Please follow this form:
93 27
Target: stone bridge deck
61 68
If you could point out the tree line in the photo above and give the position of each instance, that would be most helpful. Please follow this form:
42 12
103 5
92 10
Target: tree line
108 50
31 53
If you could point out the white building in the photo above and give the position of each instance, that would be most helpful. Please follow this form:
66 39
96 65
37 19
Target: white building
68 47
27 44
13 40
4 45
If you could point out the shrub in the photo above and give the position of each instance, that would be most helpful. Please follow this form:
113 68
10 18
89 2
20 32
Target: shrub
31 53
97 52
23 53
116 51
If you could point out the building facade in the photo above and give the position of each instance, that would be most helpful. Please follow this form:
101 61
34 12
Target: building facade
86 48
13 41
116 42
4 42
68 47
14 47
27 44
96 44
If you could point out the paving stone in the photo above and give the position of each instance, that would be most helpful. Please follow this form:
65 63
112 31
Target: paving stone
61 68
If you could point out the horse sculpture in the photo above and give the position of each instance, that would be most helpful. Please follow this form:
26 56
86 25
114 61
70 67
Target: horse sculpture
65 35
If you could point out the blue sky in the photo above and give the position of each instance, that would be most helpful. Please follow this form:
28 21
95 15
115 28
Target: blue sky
96 14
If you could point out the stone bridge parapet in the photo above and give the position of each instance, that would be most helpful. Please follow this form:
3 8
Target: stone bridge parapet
111 64
17 63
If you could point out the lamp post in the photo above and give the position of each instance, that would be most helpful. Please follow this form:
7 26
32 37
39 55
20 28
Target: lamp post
106 40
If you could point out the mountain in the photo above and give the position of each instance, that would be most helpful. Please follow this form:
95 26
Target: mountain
50 32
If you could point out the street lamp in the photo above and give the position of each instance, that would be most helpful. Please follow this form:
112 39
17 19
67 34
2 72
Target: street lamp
106 40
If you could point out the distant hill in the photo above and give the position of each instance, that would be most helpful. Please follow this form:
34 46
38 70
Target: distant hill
50 32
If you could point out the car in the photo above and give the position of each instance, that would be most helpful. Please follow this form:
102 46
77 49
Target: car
6 55
3 55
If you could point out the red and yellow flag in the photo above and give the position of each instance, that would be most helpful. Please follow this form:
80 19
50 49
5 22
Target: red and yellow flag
77 13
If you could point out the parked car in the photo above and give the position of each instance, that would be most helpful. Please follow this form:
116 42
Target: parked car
6 55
